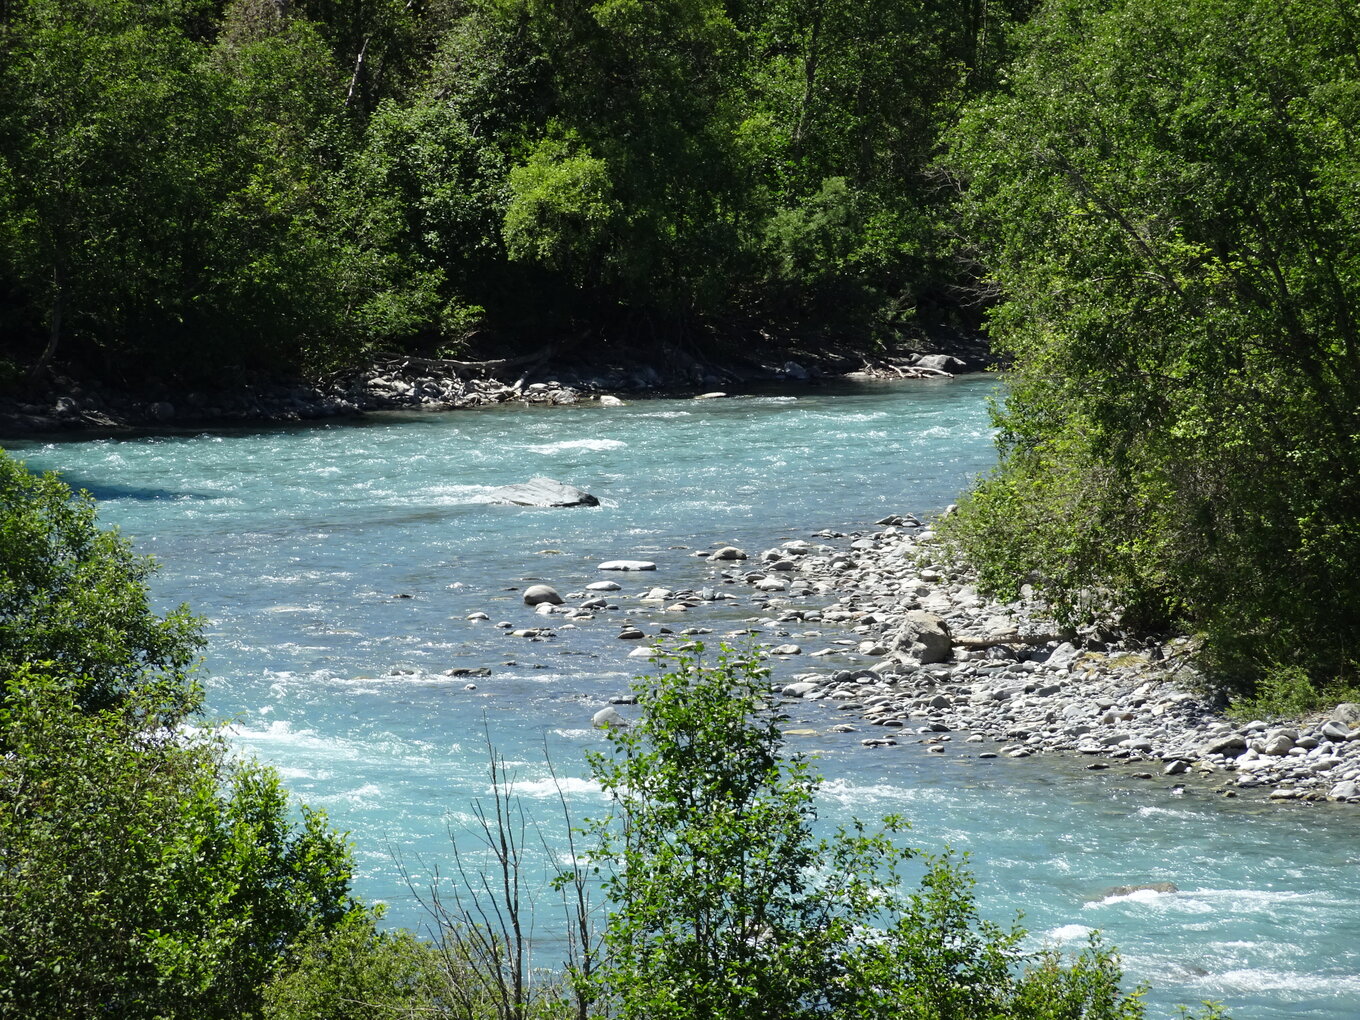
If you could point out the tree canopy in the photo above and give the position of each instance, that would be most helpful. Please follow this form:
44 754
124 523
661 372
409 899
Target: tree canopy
188 186
1164 196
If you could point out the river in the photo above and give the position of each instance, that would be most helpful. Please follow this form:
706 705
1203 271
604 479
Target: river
336 565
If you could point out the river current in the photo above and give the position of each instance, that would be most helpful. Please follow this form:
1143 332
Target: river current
336 565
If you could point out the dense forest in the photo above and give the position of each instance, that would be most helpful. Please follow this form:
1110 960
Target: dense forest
203 185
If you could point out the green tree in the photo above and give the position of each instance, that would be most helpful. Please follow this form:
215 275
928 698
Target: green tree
87 90
848 102
76 595
724 904
1164 196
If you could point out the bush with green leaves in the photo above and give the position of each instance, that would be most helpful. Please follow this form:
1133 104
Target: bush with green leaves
75 595
143 872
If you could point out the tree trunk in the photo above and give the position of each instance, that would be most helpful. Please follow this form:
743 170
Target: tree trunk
54 334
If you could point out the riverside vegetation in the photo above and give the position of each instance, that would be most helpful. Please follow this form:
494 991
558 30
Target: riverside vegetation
148 874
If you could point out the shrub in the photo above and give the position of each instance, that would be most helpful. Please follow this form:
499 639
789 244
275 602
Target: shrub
724 905
143 873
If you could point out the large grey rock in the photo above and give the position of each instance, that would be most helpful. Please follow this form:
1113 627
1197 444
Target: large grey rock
1128 890
626 565
1335 731
1228 744
727 552
1347 790
1062 656
1347 714
924 636
1277 744
606 718
539 593
540 491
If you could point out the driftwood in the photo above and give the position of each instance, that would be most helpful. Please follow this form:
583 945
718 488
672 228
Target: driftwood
1009 637
913 371
457 367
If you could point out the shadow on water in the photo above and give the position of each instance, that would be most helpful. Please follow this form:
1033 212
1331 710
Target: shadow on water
108 491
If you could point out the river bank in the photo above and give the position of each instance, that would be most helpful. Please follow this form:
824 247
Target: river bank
954 666
399 382
932 662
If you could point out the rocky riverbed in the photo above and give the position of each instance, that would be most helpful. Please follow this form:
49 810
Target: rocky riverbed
936 662
956 666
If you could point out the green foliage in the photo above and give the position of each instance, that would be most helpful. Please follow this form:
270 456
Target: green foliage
1164 195
1287 691
292 186
356 972
144 873
560 209
75 595
723 904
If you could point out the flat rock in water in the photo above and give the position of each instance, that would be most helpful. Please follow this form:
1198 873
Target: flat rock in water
1129 890
541 491
626 565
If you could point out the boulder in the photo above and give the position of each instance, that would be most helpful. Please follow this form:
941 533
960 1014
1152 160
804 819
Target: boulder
727 552
610 401
1347 714
626 565
1063 656
1277 744
604 586
924 636
1230 744
1335 731
539 593
1128 890
607 718
1346 790
543 492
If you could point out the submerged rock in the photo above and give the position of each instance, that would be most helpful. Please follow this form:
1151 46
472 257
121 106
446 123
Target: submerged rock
545 492
1127 890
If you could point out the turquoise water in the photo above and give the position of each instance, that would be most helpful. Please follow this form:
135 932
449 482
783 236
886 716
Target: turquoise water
296 542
